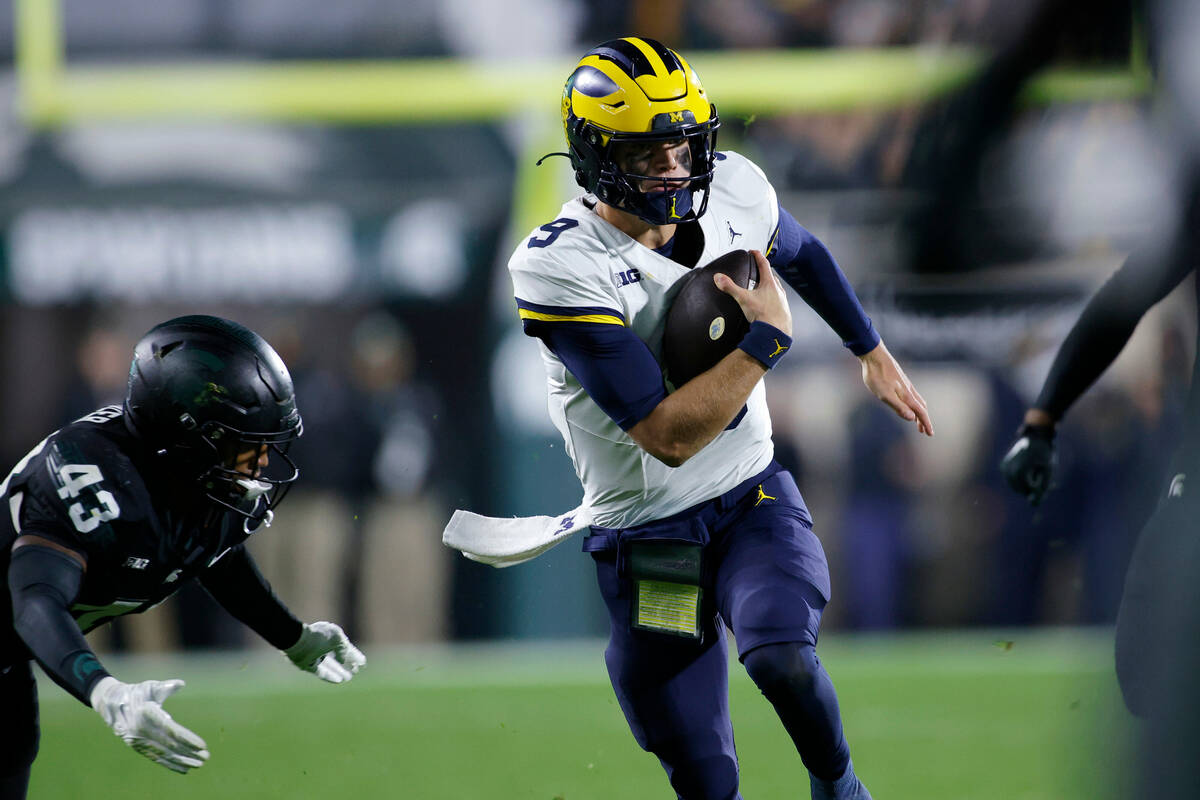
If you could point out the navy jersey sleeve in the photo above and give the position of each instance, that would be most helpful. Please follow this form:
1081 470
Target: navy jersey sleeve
611 363
1106 324
808 267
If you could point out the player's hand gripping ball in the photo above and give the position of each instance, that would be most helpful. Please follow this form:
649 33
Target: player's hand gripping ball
704 324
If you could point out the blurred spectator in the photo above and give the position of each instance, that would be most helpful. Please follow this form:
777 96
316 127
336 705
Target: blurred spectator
1124 462
101 370
399 414
1110 462
823 152
876 535
743 24
399 409
1112 457
1014 574
949 152
365 526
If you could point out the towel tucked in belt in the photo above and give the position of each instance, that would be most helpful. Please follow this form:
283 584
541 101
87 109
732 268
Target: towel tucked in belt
504 541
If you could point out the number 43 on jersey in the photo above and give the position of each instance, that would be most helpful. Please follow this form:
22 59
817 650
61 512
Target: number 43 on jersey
92 508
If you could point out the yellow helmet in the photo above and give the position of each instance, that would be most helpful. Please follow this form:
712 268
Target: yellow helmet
638 90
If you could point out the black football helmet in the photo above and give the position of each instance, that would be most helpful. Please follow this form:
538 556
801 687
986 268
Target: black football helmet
638 91
204 391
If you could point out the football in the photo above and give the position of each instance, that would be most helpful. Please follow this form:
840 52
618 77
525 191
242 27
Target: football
703 323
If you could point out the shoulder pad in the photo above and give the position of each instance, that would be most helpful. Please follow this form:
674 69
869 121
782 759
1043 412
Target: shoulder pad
740 188
572 272
739 171
82 483
102 416
563 241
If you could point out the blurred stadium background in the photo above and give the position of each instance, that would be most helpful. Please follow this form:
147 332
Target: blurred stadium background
349 178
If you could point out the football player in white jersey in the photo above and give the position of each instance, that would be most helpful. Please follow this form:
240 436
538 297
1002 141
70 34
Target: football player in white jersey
695 527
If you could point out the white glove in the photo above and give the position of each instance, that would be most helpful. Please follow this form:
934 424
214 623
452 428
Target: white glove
134 711
324 650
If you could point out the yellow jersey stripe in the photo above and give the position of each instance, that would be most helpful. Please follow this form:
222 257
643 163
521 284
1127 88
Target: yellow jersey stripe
603 319
771 244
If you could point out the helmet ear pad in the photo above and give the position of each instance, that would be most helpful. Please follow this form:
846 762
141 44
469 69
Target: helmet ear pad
590 158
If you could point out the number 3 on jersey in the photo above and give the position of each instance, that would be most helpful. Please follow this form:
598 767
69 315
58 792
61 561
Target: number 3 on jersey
555 230
93 508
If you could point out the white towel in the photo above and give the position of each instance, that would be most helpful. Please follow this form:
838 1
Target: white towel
504 541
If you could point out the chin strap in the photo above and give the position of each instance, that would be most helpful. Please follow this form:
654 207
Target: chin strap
254 494
551 155
264 522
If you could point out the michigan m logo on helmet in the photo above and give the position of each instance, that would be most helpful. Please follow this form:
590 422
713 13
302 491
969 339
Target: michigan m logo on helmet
638 91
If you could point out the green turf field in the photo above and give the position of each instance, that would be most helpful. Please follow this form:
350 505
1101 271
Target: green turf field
1019 716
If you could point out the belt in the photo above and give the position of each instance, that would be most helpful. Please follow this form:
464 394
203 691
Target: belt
604 539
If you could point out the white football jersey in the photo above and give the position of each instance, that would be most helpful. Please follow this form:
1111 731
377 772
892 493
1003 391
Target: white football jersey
580 268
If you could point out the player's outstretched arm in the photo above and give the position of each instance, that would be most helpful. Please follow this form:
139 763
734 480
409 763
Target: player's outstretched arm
1095 340
321 648
887 381
44 577
684 422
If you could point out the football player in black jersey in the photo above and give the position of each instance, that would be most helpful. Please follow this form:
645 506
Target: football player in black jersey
112 513
1157 634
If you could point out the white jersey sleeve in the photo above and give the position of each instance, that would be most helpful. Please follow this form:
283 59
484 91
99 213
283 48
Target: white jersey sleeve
558 274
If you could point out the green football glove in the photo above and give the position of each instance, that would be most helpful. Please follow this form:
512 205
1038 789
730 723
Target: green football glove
324 650
1029 465
134 711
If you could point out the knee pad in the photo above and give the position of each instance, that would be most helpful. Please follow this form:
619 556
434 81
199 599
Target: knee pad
714 778
791 668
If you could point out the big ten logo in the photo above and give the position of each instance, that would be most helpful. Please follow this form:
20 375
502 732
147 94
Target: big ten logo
627 277
565 109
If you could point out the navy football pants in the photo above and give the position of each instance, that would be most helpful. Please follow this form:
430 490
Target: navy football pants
767 578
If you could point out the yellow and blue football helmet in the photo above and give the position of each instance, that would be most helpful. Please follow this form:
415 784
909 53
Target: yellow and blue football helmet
638 90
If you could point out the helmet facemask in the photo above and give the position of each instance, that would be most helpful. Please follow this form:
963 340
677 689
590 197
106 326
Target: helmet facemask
637 194
235 480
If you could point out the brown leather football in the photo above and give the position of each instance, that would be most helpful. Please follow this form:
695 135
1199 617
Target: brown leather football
703 323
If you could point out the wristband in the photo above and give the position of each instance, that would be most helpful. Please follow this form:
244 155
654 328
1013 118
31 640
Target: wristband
765 343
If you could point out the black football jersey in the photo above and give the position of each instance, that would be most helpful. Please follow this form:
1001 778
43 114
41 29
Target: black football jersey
95 488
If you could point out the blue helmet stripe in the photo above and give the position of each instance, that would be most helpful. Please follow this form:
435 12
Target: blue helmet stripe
626 56
669 59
